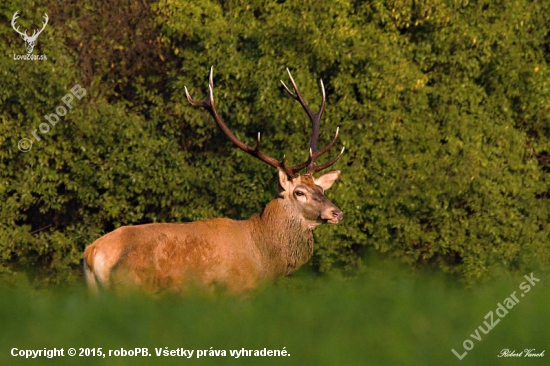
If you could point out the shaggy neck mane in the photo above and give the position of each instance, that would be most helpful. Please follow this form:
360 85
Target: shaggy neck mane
283 237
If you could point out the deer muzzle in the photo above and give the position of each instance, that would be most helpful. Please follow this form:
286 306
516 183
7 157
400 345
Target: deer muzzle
333 215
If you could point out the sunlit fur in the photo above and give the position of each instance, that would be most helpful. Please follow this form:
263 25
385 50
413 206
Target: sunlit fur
234 255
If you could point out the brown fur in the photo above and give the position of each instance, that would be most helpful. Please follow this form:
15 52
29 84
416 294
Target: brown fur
235 255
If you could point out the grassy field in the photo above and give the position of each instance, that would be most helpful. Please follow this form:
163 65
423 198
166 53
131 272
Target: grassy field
387 316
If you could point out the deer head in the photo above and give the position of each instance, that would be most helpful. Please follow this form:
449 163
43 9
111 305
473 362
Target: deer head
29 40
304 192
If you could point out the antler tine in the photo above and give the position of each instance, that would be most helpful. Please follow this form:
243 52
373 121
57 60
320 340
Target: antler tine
317 168
45 23
209 105
312 168
329 145
14 18
296 168
211 77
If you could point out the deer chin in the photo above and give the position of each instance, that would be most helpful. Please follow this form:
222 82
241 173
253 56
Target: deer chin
320 221
313 224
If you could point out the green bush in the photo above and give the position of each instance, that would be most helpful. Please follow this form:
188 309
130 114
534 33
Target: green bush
443 109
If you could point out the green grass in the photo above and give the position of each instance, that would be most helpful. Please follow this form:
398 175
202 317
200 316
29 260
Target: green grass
386 316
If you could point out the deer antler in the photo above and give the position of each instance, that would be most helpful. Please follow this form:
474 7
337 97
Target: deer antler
25 35
291 171
209 105
17 29
315 126
43 26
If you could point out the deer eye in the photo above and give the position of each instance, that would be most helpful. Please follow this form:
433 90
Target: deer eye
299 193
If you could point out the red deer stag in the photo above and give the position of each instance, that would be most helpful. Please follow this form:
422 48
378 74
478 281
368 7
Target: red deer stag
235 255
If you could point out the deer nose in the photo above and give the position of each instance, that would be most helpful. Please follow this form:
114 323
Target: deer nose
337 214
332 214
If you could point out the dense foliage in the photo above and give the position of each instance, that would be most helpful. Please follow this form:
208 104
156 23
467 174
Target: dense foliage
443 108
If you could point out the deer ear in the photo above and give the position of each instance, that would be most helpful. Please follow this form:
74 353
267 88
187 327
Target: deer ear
325 181
283 183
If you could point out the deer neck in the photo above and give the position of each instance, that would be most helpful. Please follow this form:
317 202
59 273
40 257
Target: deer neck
282 237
